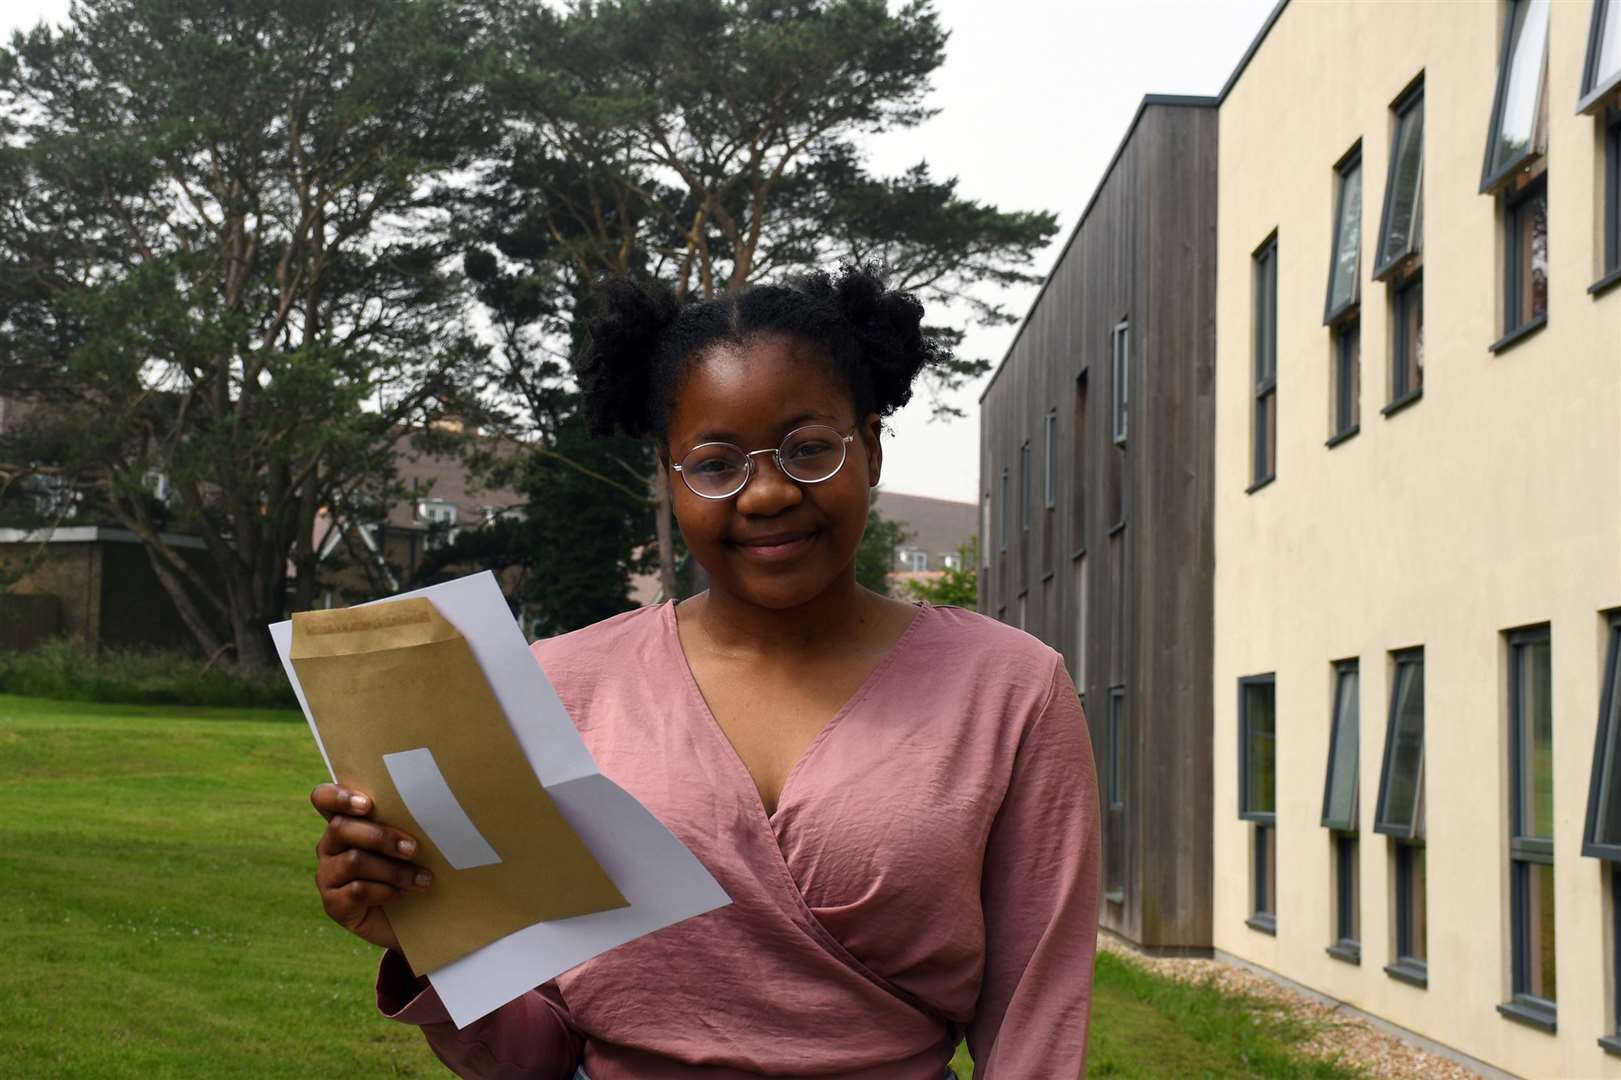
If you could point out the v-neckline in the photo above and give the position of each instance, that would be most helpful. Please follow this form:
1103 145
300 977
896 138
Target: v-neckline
770 816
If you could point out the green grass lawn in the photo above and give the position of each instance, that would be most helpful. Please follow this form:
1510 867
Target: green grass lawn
158 919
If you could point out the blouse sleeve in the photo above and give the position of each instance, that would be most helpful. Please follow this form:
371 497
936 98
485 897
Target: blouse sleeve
1040 894
529 1038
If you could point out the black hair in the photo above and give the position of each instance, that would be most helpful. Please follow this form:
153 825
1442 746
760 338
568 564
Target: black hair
645 341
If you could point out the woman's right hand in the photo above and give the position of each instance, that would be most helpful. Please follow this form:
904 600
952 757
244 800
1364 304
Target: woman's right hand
362 865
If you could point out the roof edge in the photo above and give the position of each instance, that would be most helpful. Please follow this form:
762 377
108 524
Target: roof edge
1168 100
1185 100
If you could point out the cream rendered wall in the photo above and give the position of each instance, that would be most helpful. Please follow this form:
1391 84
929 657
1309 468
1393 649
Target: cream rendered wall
1493 502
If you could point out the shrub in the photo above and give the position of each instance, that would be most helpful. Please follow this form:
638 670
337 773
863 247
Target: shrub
68 671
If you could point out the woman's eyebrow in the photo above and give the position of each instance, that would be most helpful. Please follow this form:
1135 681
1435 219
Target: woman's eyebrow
717 435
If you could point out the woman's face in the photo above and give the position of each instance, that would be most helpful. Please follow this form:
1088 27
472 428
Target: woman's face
777 543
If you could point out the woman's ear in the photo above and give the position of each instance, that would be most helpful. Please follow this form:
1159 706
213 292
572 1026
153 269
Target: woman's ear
871 428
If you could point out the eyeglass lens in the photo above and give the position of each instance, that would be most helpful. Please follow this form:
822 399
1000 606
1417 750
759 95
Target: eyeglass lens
809 455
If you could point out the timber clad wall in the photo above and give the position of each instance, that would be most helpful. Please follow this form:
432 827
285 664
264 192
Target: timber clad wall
1117 573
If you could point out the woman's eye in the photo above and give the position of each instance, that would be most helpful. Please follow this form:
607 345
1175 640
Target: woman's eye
714 466
809 449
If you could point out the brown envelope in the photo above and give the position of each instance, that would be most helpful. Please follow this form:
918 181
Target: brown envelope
389 678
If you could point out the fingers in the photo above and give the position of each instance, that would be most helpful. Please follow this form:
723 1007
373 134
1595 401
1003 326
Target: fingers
357 866
332 799
349 903
344 832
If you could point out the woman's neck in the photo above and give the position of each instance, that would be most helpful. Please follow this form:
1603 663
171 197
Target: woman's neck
837 619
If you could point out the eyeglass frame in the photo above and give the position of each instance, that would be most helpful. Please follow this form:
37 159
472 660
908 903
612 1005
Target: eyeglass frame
775 452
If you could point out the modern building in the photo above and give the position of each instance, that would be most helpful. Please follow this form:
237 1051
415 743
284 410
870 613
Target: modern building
1096 533
936 531
1418 520
1412 646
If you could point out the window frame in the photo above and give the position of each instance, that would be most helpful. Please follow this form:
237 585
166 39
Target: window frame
1414 829
1347 944
1051 493
1346 376
1610 241
1259 817
1115 797
1404 294
1593 95
1024 487
1002 518
1263 878
1607 737
1407 966
1264 365
1491 180
1385 259
1516 203
1120 366
1523 851
1352 159
1343 668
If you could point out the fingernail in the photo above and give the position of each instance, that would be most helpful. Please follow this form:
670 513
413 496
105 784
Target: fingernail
423 878
407 847
358 802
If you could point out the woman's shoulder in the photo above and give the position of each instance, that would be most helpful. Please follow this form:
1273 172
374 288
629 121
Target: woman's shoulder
605 639
984 648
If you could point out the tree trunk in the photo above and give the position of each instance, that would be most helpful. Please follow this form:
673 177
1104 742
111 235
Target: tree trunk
666 534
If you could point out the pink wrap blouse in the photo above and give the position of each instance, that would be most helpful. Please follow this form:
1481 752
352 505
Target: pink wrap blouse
931 871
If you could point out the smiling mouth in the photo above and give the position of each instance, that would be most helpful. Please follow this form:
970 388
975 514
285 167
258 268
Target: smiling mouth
780 546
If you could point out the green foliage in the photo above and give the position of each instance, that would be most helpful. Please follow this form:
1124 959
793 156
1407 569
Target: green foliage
225 259
957 585
570 547
66 671
875 558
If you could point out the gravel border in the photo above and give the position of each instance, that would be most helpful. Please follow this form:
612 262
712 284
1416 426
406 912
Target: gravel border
1338 1035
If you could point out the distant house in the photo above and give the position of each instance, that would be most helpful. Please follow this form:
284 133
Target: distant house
369 557
936 531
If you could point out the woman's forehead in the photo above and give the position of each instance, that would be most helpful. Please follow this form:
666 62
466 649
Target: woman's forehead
761 387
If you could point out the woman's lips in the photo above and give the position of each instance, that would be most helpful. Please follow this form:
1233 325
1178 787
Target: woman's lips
780 546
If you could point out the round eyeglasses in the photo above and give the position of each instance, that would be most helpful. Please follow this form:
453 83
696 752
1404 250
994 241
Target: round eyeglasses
808 455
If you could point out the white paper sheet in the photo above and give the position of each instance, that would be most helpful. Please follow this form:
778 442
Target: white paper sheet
427 795
663 881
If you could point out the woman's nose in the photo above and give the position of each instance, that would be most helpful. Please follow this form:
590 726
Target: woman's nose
769 490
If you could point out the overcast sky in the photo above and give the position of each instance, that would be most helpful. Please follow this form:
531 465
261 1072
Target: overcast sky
1034 97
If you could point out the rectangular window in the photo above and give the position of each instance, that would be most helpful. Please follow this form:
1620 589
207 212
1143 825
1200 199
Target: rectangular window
1051 495
1264 885
1400 808
1347 376
1342 311
1115 791
1412 914
1601 74
1340 812
1407 345
1077 510
1517 123
1079 659
1257 793
1401 223
985 543
1001 519
1257 749
1120 351
1611 245
1530 842
1399 813
1340 788
1024 487
1344 281
1265 426
1525 256
1602 836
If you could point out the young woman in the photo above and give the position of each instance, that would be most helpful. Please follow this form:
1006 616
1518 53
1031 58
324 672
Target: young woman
900 799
